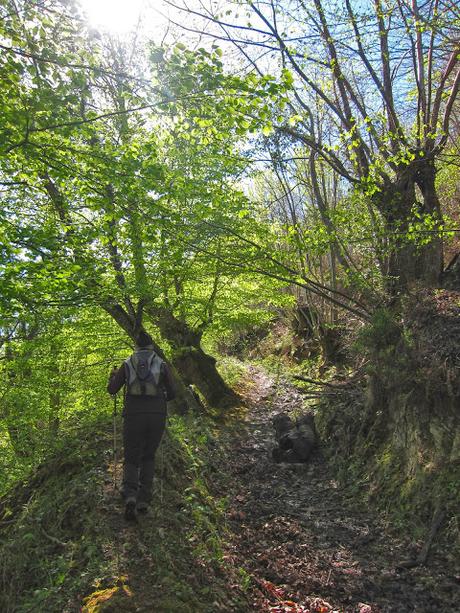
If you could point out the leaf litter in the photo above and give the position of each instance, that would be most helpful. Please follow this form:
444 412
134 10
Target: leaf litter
306 547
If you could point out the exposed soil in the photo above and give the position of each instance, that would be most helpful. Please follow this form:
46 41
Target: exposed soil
304 545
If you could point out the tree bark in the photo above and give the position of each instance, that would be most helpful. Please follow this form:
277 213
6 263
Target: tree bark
184 398
194 365
412 262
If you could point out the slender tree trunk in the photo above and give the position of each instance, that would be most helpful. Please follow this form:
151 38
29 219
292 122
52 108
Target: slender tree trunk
20 438
55 406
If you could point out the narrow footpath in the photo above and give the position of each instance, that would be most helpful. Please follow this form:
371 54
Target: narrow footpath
303 546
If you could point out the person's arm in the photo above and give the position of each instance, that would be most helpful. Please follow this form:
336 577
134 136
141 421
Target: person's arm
116 380
168 382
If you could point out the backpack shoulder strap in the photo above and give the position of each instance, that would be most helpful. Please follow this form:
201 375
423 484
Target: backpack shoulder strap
130 371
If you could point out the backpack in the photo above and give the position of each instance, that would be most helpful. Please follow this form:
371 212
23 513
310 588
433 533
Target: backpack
143 371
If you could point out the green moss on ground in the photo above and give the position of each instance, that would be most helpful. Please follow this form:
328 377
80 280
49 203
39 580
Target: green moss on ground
65 546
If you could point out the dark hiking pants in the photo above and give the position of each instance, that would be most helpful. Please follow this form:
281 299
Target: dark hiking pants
141 436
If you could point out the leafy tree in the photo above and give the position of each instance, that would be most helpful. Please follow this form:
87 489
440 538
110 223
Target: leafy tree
112 208
387 76
53 373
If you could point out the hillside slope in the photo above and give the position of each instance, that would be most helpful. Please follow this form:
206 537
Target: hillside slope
65 546
230 529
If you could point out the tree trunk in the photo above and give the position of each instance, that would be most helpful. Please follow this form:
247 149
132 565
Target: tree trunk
55 406
194 365
410 264
419 261
198 368
184 397
20 434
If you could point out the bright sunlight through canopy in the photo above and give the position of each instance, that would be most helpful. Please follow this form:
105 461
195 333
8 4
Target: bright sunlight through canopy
119 16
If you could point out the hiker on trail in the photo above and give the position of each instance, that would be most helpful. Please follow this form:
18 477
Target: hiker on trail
149 385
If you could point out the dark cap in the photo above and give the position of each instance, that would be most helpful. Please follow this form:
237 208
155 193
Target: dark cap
143 339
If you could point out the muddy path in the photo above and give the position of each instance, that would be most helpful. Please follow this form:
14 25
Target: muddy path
305 547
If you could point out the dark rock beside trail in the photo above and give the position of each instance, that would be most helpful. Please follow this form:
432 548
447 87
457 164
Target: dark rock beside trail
296 440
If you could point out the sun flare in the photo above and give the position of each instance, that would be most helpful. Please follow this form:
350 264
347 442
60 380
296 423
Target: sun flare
118 16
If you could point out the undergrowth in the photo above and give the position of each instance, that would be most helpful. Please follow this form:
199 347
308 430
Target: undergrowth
50 537
66 548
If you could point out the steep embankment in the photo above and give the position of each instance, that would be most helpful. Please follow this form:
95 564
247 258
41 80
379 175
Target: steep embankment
400 427
65 546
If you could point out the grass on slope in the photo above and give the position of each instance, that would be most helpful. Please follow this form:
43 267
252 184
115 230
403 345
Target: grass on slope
64 546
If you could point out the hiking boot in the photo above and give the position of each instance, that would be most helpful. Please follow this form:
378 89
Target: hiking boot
130 510
142 507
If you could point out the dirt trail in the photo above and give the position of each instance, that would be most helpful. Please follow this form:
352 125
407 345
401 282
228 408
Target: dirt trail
303 545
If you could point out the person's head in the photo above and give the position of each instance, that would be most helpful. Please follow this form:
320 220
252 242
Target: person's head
143 340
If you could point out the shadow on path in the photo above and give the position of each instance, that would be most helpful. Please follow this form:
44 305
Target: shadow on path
302 543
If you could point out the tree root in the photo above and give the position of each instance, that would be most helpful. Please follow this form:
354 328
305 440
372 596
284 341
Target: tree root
420 560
